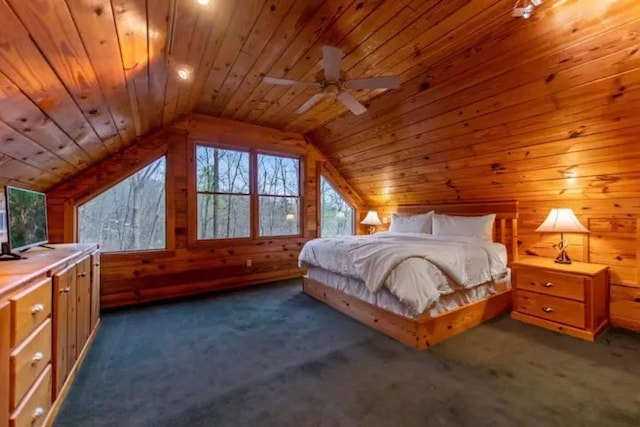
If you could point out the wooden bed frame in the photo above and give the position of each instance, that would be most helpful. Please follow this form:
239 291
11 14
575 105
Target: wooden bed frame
425 330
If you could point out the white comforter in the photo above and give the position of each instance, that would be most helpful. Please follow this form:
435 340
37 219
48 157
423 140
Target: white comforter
416 268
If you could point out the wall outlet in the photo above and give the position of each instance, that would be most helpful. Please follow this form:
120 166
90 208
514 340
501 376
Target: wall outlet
249 263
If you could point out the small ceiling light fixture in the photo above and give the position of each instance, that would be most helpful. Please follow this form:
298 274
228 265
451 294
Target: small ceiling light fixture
184 73
206 2
524 10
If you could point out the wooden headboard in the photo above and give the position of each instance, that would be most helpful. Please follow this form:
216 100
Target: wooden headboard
505 229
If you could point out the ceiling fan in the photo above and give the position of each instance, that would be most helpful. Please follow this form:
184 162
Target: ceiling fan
332 83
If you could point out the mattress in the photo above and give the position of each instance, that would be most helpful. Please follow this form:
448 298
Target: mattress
386 300
416 268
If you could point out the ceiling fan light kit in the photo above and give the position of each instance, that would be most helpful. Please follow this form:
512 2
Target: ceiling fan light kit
524 9
332 82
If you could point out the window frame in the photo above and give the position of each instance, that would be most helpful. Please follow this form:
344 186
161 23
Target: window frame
254 202
299 196
169 223
194 187
354 225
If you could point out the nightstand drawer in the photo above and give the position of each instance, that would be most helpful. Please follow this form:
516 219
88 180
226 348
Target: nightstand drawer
550 308
625 302
550 283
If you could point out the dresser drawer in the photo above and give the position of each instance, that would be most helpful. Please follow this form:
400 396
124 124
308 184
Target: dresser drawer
28 361
36 405
550 308
550 283
625 302
29 308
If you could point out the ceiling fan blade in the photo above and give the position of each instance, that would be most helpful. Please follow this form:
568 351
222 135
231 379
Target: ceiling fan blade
332 60
287 82
386 82
310 103
351 103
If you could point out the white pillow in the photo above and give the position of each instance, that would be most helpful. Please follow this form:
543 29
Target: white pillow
411 223
469 226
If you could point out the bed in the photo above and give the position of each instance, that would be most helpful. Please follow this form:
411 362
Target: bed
406 316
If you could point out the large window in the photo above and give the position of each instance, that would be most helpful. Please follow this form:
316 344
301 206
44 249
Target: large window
279 195
337 216
223 193
128 216
237 187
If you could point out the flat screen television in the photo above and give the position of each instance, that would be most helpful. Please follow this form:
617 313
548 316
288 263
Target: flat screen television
26 219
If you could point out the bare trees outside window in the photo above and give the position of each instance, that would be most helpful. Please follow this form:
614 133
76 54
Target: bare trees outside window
223 188
336 214
229 188
279 195
130 215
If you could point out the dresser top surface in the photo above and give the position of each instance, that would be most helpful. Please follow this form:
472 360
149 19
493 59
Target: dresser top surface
588 269
38 263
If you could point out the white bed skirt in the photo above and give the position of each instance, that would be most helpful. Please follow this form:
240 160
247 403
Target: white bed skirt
384 299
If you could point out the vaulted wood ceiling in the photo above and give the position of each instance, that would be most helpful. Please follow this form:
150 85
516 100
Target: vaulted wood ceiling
82 79
543 109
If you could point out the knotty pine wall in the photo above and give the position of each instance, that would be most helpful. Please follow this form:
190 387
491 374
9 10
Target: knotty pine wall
543 111
186 268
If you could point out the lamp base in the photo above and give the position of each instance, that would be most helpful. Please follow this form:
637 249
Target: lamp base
372 229
563 258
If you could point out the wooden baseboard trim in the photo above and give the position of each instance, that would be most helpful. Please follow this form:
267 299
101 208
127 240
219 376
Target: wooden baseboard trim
419 333
188 290
55 407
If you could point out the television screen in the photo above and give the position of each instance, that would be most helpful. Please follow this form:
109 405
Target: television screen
26 218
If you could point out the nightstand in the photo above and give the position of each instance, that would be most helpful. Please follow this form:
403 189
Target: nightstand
569 298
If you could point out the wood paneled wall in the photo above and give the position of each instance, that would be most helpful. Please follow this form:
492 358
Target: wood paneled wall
183 269
543 111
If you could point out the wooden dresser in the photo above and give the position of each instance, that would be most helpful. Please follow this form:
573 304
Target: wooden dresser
572 299
49 311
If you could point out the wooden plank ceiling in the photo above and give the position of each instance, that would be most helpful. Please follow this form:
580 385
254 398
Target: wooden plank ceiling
82 79
538 109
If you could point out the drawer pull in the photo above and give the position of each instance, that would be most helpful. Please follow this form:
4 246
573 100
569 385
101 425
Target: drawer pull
96 265
547 309
637 299
547 285
37 413
36 358
65 290
36 309
83 274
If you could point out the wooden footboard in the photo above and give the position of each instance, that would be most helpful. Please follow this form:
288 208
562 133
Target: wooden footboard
420 333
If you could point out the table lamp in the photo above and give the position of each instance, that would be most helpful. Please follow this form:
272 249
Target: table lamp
371 220
562 220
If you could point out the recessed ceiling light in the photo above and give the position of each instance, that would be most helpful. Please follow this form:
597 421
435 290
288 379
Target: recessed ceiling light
184 73
203 2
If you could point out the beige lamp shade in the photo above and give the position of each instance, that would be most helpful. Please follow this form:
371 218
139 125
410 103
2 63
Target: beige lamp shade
562 220
371 219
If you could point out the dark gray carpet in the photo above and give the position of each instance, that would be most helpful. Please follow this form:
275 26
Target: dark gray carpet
272 356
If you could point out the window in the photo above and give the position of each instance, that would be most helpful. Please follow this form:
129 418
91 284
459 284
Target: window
337 216
223 193
3 221
279 195
245 194
128 216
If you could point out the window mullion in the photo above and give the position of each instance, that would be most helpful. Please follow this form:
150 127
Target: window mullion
254 207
